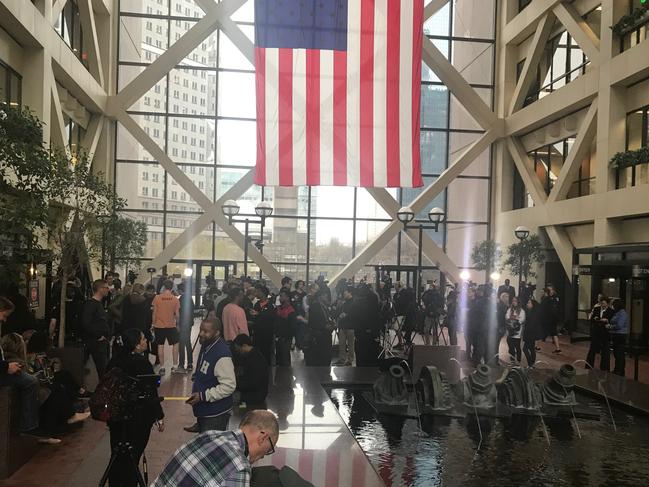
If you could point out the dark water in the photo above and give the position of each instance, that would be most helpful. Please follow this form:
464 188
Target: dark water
514 452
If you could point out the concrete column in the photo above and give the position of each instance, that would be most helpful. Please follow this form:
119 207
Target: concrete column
37 86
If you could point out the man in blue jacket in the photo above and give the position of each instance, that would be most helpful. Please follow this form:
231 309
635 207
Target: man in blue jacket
214 379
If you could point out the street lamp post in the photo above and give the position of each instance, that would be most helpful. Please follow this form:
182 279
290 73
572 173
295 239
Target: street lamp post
521 234
405 216
263 210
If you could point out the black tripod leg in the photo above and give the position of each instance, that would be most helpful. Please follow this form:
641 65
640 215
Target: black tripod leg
136 469
104 477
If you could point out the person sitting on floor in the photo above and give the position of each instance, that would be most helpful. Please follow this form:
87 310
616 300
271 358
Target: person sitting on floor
253 381
222 458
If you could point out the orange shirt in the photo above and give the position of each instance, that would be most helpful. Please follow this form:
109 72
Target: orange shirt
166 308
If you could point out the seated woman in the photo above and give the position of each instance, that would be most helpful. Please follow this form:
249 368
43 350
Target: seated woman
131 357
56 406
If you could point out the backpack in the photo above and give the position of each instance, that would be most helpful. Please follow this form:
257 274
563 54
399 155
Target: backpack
113 399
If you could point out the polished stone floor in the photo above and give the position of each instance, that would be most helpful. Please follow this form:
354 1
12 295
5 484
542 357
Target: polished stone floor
314 439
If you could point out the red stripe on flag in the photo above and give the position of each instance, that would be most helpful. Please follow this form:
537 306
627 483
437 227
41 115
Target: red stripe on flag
392 92
312 117
367 94
333 468
418 22
279 458
358 469
260 80
340 118
285 116
305 464
385 468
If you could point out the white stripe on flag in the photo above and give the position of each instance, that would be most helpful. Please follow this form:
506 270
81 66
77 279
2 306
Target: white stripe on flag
405 92
319 474
299 117
353 92
326 117
272 117
346 468
380 91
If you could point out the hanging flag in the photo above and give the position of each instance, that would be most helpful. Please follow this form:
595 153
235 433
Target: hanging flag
338 87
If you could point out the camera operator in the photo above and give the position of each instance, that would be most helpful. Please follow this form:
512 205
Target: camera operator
130 358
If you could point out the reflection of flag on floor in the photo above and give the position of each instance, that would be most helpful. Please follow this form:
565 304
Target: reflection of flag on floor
327 468
338 92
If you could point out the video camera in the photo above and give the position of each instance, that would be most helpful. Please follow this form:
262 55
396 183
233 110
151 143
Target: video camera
145 386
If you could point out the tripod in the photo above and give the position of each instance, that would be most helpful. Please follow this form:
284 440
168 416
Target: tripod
125 450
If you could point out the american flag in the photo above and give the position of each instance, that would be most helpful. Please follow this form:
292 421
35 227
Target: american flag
338 92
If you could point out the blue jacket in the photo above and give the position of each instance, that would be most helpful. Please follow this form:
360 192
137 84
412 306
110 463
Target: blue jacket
620 323
214 380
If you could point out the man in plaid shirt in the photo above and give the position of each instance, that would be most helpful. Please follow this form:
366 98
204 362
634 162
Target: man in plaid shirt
222 458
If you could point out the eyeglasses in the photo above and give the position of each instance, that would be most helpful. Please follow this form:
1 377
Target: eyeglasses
272 447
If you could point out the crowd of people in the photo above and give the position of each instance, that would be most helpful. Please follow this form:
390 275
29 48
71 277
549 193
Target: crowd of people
245 329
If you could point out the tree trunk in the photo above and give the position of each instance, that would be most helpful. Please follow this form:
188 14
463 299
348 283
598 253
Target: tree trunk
64 293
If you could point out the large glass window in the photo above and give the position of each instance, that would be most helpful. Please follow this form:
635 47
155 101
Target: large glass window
546 162
10 86
637 136
202 114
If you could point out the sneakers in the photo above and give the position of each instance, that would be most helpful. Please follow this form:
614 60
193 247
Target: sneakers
42 437
161 371
191 429
177 370
558 350
189 368
78 417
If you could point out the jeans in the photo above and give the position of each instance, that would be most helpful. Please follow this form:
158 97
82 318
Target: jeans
98 350
346 345
185 346
514 345
619 342
219 423
27 386
530 352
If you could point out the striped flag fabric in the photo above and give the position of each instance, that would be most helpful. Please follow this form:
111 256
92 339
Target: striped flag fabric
338 85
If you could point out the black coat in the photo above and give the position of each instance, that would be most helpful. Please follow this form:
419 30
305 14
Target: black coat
150 409
533 328
253 381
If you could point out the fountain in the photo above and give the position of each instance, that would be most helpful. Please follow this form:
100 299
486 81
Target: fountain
519 391
479 389
390 389
433 389
558 390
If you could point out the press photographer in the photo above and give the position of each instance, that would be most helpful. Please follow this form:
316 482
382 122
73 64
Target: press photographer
130 428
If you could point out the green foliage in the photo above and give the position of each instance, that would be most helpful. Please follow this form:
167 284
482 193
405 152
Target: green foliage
630 21
532 251
123 238
486 255
630 158
84 201
25 167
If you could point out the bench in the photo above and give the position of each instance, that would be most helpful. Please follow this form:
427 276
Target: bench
15 449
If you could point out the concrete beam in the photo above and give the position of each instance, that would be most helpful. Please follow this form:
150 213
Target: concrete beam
562 246
574 96
579 150
425 197
459 86
530 68
580 31
176 52
430 249
87 16
522 162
